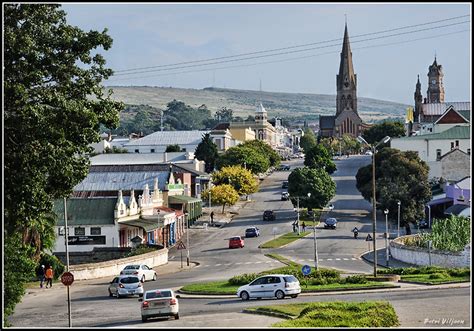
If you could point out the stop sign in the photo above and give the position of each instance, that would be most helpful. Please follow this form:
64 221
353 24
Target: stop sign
67 278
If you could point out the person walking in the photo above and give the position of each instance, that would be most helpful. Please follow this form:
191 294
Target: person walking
41 274
303 226
212 217
49 277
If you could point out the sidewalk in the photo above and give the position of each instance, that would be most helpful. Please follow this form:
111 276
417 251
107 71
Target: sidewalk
220 220
381 259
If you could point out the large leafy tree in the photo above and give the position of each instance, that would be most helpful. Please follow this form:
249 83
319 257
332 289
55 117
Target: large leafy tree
399 176
319 157
223 195
180 116
207 151
378 131
306 180
239 178
308 140
53 108
244 156
264 149
173 148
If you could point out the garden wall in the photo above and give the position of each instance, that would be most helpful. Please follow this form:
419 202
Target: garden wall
421 256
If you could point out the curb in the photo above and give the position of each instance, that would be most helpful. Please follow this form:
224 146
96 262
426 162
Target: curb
269 313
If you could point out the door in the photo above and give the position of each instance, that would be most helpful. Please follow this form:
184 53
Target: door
113 286
148 272
258 288
274 283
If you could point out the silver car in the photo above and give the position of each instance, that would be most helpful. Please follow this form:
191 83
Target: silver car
125 285
142 271
271 286
158 303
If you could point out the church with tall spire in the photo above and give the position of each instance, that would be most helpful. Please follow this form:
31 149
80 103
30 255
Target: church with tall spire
347 119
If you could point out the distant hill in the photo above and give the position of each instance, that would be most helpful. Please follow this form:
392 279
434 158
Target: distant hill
295 106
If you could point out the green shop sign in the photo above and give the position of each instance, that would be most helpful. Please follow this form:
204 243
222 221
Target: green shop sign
175 186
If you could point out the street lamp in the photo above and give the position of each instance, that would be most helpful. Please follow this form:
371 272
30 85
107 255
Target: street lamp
186 215
386 236
374 210
429 216
399 204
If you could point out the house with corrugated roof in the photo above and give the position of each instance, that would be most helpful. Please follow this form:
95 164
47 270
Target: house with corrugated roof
158 141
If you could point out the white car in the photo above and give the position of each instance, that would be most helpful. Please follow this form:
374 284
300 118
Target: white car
142 271
270 286
125 285
158 303
368 153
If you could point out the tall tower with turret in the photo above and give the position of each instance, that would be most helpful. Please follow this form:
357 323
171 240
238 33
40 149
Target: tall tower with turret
346 80
418 100
435 92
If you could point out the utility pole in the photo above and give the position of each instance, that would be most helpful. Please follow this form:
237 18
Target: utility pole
161 119
67 263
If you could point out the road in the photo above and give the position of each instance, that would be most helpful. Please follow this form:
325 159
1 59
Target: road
91 305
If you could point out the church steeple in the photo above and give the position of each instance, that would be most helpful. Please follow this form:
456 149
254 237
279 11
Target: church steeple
435 92
346 79
418 99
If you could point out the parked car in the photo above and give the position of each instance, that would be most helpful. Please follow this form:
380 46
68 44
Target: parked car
285 196
125 285
268 215
330 223
142 271
270 286
285 167
158 303
252 232
284 184
236 242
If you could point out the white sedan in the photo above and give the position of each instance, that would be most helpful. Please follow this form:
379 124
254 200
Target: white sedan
142 271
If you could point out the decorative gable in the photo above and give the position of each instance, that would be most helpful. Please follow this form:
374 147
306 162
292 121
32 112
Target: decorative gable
451 116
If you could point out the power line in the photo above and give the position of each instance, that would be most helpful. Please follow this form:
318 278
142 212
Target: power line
290 52
290 47
291 59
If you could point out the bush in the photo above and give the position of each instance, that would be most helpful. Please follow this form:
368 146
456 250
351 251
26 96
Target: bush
54 262
141 249
327 273
438 275
357 279
318 281
459 272
242 279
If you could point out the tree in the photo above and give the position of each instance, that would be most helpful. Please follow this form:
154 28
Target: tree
244 156
224 115
173 148
378 131
53 108
319 157
207 151
308 140
306 180
223 195
239 178
399 176
264 149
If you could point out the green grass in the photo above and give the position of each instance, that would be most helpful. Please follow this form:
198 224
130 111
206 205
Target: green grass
339 286
434 280
431 275
335 314
284 239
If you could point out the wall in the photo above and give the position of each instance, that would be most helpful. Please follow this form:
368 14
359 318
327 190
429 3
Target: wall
455 166
109 231
420 256
113 268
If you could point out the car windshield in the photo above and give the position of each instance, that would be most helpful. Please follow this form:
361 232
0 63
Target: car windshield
158 294
331 221
132 267
268 212
129 280
235 238
290 279
250 230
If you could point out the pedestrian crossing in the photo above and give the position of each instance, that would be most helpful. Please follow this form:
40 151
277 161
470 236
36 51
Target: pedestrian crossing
276 262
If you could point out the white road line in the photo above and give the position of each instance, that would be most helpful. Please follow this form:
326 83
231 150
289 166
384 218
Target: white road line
239 262
338 259
227 263
248 262
197 266
258 262
354 259
345 259
268 261
171 257
217 265
328 259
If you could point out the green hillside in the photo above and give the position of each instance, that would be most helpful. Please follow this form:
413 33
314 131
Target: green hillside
294 106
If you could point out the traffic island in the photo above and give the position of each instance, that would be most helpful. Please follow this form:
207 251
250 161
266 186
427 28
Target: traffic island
332 314
284 240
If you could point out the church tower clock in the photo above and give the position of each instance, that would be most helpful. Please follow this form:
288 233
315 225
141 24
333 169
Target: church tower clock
435 92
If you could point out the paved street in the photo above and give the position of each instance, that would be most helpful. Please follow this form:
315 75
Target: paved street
91 305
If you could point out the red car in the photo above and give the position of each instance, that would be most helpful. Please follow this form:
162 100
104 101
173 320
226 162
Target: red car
236 242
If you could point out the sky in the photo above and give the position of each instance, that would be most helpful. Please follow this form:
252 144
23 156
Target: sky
157 34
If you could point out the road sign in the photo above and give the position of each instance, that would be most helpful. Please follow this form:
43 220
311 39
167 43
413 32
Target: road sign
180 245
368 238
67 278
306 270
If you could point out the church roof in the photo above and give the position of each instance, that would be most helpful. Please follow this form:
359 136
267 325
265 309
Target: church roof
326 122
260 109
346 67
438 109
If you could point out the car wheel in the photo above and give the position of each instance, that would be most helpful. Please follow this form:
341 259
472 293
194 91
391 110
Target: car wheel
294 296
140 295
244 296
143 278
154 276
110 294
279 294
176 317
144 319
118 295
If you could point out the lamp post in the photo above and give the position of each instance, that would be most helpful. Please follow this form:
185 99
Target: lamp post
374 210
298 216
429 216
66 238
186 215
210 207
386 236
399 204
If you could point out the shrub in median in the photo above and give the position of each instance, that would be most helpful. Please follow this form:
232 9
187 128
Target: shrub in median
357 279
242 279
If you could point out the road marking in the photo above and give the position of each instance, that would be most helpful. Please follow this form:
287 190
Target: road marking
268 261
345 259
198 266
227 263
328 259
239 262
248 262
171 257
218 265
258 262
354 259
338 259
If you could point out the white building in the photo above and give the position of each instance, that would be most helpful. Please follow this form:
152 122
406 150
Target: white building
158 141
432 147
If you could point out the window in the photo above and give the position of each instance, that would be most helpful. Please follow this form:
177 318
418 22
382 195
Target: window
457 143
152 150
438 154
79 231
468 151
61 231
95 231
452 145
137 151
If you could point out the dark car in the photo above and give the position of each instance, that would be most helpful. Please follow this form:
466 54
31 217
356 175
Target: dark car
252 232
285 196
285 184
330 223
285 167
268 215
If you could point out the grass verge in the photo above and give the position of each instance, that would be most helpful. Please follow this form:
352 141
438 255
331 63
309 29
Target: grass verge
431 275
284 239
334 314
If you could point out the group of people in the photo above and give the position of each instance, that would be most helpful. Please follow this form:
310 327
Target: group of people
46 274
295 226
